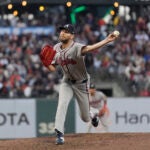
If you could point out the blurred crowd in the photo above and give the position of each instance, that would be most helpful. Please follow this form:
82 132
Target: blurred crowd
127 60
27 19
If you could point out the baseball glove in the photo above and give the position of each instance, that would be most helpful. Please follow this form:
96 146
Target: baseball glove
103 111
47 54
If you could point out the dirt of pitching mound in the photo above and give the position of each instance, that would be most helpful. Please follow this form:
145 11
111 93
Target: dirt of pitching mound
101 141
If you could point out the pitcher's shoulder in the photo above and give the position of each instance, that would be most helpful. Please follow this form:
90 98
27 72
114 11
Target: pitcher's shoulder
57 46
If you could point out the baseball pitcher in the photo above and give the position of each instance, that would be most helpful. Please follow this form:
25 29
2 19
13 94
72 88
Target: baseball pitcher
70 56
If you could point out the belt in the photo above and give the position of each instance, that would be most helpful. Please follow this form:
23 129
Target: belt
78 81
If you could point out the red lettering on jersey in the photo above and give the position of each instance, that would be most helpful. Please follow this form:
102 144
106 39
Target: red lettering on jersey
67 61
95 102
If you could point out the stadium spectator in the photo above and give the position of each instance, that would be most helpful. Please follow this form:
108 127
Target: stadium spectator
21 69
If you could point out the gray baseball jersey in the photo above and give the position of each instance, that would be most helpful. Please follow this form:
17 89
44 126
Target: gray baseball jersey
75 82
71 61
97 100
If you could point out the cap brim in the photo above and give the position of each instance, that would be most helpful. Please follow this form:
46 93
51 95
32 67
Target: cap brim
61 28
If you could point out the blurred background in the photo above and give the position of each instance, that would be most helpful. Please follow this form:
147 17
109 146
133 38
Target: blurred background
120 69
26 25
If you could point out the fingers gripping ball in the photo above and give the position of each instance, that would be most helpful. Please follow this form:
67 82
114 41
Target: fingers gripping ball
116 33
47 55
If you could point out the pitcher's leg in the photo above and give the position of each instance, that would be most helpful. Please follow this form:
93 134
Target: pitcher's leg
65 95
83 96
83 103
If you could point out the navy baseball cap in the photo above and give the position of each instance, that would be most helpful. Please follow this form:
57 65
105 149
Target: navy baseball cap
69 27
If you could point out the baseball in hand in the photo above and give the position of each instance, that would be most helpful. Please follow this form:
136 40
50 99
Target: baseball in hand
116 33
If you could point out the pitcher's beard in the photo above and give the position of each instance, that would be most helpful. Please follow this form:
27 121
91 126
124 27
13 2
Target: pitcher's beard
64 41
